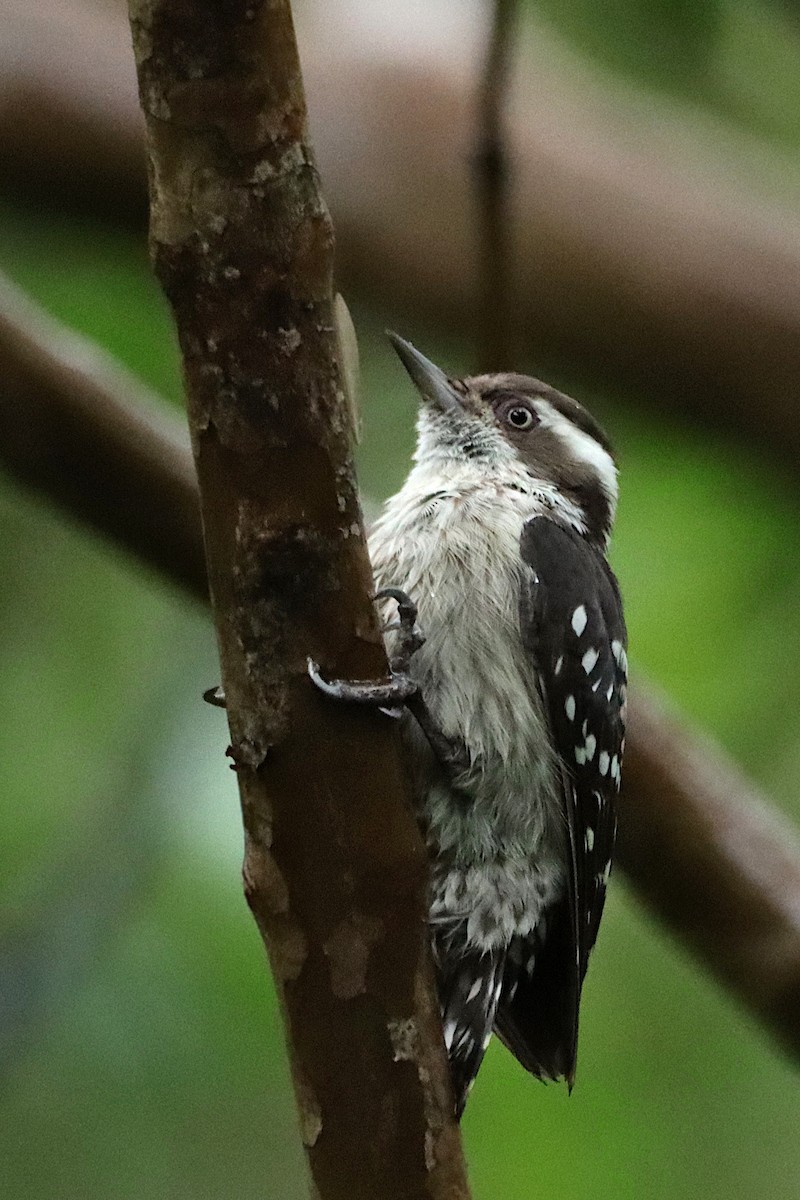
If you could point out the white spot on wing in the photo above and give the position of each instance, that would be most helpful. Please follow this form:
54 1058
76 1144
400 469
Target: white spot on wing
569 708
579 619
602 762
589 661
589 838
580 755
559 665
473 991
591 746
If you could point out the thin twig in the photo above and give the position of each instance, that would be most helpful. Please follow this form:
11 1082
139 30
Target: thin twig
492 177
705 850
335 868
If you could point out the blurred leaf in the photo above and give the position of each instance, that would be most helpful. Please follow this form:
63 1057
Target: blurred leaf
667 43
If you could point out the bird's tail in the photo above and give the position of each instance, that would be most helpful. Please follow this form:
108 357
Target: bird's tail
469 983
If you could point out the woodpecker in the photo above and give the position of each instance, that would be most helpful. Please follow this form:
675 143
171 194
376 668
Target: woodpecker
509 661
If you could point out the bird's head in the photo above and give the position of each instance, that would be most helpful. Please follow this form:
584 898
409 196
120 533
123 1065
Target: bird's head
506 423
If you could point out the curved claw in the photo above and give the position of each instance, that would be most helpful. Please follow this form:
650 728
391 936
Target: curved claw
411 639
405 605
395 593
382 694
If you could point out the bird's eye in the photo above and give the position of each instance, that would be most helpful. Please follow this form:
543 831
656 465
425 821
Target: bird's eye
519 417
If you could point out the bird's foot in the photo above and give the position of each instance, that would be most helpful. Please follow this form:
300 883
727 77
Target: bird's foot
400 691
450 753
410 637
389 695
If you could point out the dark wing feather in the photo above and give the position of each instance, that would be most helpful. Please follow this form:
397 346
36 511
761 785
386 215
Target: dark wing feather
573 626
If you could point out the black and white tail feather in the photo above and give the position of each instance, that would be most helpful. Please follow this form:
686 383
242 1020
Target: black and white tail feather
470 983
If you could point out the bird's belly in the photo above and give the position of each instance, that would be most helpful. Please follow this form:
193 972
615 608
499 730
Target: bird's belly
498 839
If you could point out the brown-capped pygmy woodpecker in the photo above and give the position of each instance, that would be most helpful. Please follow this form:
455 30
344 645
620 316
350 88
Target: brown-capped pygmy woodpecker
513 690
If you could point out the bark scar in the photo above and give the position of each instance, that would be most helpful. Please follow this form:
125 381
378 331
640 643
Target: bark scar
348 950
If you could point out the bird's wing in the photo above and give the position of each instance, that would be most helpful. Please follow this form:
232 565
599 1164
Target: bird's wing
572 625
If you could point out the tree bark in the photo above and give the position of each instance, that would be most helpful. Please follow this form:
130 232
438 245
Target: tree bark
335 869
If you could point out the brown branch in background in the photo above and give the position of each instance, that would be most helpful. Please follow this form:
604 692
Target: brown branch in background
715 861
491 169
335 869
704 849
71 131
79 428
645 252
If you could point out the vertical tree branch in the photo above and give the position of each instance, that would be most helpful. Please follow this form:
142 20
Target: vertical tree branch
492 177
335 869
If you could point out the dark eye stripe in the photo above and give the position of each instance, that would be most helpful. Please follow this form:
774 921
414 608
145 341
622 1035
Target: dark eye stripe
525 387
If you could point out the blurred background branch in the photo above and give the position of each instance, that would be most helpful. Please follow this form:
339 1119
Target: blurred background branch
71 131
93 437
711 858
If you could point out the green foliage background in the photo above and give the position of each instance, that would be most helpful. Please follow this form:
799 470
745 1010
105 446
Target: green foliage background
140 1047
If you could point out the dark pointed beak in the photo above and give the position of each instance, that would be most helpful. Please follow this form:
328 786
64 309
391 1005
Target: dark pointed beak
429 380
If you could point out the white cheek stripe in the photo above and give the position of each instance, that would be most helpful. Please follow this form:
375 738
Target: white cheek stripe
582 448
